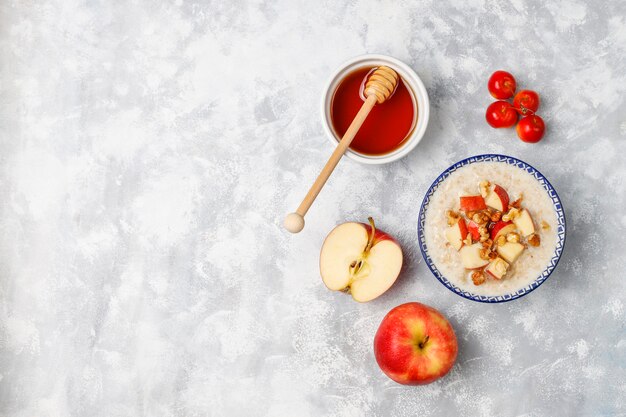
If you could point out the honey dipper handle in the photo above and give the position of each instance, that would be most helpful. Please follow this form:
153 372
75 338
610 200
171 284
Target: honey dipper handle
294 222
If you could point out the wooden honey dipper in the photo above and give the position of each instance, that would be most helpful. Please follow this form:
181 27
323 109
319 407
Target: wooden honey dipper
378 88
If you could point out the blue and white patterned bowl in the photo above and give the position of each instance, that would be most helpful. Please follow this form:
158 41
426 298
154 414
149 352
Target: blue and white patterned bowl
558 208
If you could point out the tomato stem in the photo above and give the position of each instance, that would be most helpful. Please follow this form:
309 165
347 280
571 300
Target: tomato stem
524 111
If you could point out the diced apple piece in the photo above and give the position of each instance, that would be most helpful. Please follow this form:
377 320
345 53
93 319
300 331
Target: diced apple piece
456 234
498 199
470 256
524 223
510 251
472 228
472 203
501 228
497 268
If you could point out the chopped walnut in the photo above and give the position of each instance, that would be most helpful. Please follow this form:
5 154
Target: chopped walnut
545 225
484 253
501 240
484 233
534 240
512 237
468 239
487 244
492 256
452 216
511 215
480 218
484 188
478 278
495 216
470 214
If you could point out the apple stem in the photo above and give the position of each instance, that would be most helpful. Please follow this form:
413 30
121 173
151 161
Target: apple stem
370 241
422 344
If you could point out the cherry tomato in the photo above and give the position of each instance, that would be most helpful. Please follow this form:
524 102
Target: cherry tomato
501 114
531 129
501 85
526 102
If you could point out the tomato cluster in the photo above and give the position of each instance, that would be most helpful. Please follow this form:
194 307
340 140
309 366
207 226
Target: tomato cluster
502 114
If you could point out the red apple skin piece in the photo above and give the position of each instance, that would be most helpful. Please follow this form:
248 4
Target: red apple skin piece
472 203
498 229
397 344
473 230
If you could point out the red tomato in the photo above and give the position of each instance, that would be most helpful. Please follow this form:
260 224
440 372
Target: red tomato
501 114
526 100
531 129
501 85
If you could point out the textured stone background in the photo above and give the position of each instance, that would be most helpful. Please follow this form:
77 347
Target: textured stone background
149 151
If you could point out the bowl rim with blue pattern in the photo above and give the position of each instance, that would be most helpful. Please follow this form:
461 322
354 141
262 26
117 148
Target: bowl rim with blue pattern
556 203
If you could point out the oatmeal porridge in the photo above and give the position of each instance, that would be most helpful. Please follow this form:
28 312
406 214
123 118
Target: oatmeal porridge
490 228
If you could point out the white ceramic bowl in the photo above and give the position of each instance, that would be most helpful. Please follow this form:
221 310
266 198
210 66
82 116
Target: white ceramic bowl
411 80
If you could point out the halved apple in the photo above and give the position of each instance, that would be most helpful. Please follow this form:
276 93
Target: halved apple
497 268
498 199
470 256
510 251
524 223
472 203
456 234
501 228
359 259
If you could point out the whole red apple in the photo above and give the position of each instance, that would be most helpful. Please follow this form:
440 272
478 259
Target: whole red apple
415 344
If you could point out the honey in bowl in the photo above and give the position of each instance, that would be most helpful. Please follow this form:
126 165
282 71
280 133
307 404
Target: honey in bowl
387 126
